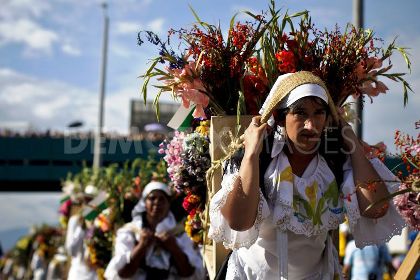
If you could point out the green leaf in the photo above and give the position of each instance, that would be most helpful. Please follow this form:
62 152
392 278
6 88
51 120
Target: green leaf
319 209
306 205
239 109
197 18
144 89
152 66
156 104
332 193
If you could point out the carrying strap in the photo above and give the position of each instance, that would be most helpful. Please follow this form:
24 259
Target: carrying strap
282 244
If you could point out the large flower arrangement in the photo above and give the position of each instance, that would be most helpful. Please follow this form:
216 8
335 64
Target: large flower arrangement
188 159
42 242
209 69
349 62
99 240
223 75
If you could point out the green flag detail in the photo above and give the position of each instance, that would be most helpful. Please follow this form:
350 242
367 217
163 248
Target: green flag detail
96 206
182 118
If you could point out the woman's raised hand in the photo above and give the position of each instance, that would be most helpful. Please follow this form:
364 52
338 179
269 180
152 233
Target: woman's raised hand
167 240
147 237
253 137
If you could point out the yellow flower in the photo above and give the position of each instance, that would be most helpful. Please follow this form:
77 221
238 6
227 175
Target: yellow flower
23 243
286 175
203 128
100 272
311 192
196 238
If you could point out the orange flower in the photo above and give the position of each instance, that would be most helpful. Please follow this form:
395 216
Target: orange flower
286 61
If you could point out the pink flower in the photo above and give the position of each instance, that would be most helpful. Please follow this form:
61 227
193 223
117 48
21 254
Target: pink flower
373 63
197 97
187 85
374 88
408 207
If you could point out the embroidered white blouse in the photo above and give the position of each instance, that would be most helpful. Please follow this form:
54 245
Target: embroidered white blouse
289 239
128 236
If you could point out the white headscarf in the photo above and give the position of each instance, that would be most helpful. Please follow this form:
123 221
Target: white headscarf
141 205
296 94
159 259
299 92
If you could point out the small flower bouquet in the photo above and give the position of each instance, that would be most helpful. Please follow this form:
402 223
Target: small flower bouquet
99 245
188 159
407 199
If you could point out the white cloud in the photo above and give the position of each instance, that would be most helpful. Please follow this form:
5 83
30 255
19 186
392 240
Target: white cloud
71 50
45 103
29 33
127 27
53 104
13 9
156 25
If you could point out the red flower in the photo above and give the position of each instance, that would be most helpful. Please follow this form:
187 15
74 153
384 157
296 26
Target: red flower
254 91
286 61
191 202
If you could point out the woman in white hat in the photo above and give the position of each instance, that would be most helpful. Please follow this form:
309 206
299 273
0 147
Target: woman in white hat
277 206
152 246
75 245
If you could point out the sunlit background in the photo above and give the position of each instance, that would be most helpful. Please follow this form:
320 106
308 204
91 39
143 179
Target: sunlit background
50 57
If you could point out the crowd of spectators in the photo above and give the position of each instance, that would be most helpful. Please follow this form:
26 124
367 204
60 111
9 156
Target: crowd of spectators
137 136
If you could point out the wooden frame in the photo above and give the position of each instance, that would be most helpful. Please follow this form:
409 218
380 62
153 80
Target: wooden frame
411 263
221 127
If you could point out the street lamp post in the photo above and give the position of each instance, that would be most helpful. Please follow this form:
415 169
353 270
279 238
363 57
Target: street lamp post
97 153
358 23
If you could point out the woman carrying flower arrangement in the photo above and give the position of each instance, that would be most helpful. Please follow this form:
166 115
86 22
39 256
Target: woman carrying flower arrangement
151 246
283 196
75 242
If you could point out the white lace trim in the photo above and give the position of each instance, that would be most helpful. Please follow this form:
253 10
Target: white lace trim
287 220
352 210
391 224
227 187
222 232
396 230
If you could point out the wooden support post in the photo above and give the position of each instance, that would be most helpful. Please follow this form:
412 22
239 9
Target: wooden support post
220 127
411 263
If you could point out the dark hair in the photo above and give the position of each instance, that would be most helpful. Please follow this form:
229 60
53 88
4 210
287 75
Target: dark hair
280 114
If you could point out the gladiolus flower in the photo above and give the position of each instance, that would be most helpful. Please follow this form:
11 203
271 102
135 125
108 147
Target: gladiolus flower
286 62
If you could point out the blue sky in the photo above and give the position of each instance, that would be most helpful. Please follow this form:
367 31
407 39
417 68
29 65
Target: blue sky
50 57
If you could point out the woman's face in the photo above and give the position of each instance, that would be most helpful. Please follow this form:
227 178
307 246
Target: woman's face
157 205
305 123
